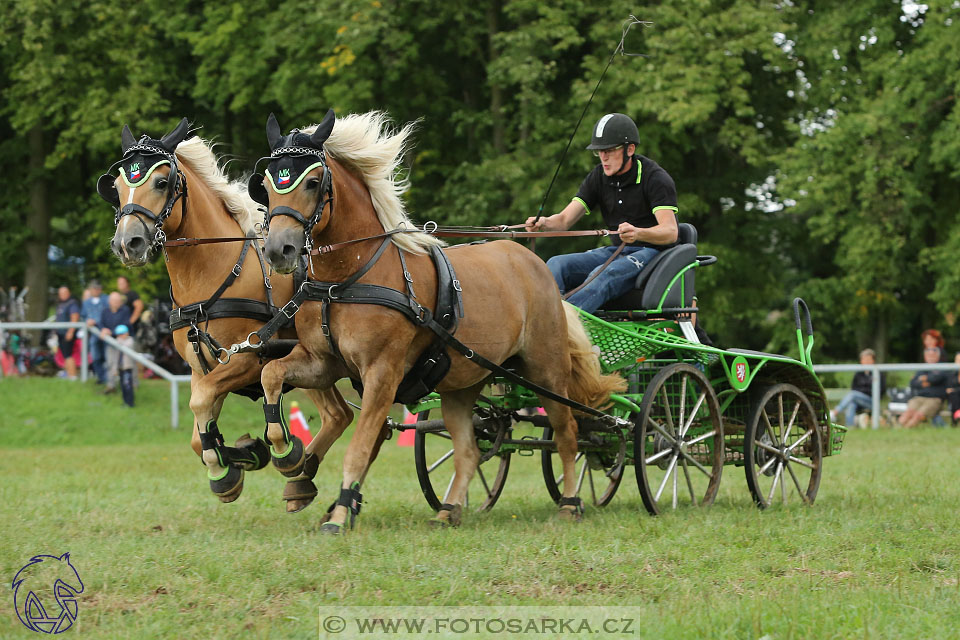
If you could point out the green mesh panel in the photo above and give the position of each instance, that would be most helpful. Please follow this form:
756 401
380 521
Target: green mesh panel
625 343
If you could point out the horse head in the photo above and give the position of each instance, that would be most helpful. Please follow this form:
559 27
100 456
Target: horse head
145 193
295 189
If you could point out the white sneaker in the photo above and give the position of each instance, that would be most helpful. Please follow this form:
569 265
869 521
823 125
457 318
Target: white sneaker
833 415
863 421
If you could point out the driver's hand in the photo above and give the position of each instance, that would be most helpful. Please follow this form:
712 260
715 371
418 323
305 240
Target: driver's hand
534 224
628 232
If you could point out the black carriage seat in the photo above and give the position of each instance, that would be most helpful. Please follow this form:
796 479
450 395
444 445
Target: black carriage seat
656 276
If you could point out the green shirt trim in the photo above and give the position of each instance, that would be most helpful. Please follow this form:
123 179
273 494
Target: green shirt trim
583 203
655 209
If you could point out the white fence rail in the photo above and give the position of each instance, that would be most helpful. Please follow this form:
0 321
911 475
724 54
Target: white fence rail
173 379
876 369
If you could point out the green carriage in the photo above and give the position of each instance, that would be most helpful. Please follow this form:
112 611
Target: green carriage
689 410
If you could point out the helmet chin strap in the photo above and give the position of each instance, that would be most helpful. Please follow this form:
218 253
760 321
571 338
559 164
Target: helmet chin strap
626 159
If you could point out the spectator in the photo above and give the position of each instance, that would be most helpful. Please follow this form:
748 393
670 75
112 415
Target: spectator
68 310
933 338
125 364
929 389
860 395
132 301
113 316
91 311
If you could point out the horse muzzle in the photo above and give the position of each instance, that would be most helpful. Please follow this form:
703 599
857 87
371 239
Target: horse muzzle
132 250
283 249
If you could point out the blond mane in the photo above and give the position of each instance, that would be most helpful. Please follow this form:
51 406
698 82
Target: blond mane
365 143
198 155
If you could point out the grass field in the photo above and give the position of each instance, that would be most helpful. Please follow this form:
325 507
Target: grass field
878 556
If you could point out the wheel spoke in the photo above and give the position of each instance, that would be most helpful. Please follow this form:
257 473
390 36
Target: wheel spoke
802 463
583 471
766 418
483 479
693 414
800 440
673 464
671 439
446 493
803 495
676 474
658 455
593 490
440 461
766 465
766 447
780 412
575 460
773 487
686 473
702 437
683 405
793 417
667 413
691 460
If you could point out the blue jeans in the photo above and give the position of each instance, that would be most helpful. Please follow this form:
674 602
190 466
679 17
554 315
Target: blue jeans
99 357
851 402
571 270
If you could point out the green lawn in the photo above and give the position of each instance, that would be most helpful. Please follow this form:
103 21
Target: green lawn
878 556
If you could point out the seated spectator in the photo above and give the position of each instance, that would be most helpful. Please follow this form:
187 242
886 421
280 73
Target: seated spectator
929 390
860 395
933 338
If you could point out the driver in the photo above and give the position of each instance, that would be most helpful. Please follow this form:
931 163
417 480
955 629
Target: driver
635 196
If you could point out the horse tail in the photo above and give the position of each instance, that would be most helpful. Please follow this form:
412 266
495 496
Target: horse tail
588 384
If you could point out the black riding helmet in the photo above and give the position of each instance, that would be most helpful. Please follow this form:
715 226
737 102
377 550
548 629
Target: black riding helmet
613 130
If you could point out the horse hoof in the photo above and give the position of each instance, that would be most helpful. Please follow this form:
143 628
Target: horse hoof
570 514
255 447
331 529
299 494
291 463
228 487
453 519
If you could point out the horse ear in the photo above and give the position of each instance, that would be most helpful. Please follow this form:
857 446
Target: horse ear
175 137
273 131
126 139
323 129
65 557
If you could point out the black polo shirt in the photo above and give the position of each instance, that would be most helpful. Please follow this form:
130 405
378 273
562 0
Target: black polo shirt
632 197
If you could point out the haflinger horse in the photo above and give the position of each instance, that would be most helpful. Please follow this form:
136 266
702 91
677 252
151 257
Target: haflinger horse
336 186
220 298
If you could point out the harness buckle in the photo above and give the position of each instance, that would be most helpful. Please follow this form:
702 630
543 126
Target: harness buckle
325 330
407 276
236 270
266 282
456 286
290 314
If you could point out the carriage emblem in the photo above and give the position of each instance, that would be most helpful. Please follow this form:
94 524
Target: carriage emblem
135 171
38 584
284 177
741 371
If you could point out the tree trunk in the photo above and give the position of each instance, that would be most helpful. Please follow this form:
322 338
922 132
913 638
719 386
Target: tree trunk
38 223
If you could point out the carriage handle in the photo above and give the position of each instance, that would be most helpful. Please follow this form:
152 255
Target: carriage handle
805 351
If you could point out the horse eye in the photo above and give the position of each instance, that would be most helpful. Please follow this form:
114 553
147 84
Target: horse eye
312 183
160 183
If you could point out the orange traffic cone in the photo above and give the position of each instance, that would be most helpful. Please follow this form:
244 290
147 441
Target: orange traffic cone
405 439
298 423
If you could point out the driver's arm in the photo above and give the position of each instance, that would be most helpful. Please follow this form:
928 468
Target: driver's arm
558 221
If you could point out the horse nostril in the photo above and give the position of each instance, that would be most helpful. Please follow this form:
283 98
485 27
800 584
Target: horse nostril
289 252
136 245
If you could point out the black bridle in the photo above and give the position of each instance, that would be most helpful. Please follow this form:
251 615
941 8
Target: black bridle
258 192
176 189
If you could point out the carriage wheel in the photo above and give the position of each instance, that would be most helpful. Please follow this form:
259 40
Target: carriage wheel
598 474
678 443
433 453
782 447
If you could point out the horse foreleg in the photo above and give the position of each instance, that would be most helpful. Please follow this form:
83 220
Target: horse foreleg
335 417
225 465
457 409
302 370
379 384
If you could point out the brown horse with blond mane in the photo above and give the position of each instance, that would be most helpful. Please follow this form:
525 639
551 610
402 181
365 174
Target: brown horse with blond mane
334 184
175 187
